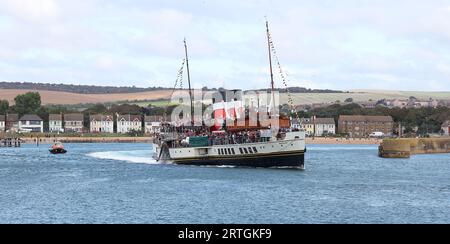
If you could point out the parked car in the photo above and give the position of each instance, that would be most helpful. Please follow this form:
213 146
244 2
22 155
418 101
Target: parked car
376 134
25 131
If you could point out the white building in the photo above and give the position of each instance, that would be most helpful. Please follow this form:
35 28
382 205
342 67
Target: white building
397 103
55 123
316 126
32 123
324 126
2 123
73 123
295 124
446 128
102 124
152 124
128 123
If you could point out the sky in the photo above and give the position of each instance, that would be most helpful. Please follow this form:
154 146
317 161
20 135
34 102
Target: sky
321 44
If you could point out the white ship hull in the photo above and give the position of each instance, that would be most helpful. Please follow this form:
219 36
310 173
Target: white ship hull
289 152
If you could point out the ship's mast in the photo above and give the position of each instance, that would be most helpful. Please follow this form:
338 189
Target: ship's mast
270 63
189 82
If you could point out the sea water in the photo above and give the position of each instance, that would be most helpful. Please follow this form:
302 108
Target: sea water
121 183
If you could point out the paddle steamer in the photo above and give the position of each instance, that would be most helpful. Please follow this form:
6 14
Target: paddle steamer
232 146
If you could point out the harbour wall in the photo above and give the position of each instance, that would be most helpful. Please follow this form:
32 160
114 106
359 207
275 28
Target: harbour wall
405 148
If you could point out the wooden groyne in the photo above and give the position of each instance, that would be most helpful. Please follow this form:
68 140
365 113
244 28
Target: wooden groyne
10 142
405 148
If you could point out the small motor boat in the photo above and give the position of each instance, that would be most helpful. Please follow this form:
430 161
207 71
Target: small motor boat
57 148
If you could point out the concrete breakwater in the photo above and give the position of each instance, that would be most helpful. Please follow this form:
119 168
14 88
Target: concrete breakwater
404 148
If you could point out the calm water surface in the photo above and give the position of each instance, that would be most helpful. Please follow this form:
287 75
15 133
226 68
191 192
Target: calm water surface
120 183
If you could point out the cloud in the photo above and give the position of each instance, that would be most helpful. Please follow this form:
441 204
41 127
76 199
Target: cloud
31 10
344 44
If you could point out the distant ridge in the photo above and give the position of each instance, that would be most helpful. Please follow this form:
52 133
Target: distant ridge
79 89
90 89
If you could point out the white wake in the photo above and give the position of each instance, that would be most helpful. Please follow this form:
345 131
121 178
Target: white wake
138 156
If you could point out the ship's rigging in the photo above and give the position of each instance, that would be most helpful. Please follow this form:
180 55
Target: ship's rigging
283 75
272 55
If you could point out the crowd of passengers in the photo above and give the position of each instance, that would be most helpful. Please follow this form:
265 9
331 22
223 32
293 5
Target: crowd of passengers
225 138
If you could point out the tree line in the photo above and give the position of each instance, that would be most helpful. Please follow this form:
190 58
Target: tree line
90 89
420 120
80 89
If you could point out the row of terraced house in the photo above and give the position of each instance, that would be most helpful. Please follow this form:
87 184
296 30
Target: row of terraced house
353 126
74 123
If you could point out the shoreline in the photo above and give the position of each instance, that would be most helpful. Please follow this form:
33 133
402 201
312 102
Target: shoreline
343 141
317 140
50 140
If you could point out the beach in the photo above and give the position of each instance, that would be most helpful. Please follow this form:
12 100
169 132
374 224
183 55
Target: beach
316 140
49 140
343 141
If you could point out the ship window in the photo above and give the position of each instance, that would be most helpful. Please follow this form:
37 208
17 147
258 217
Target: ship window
255 150
240 150
245 150
229 151
250 150
232 150
220 152
225 151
